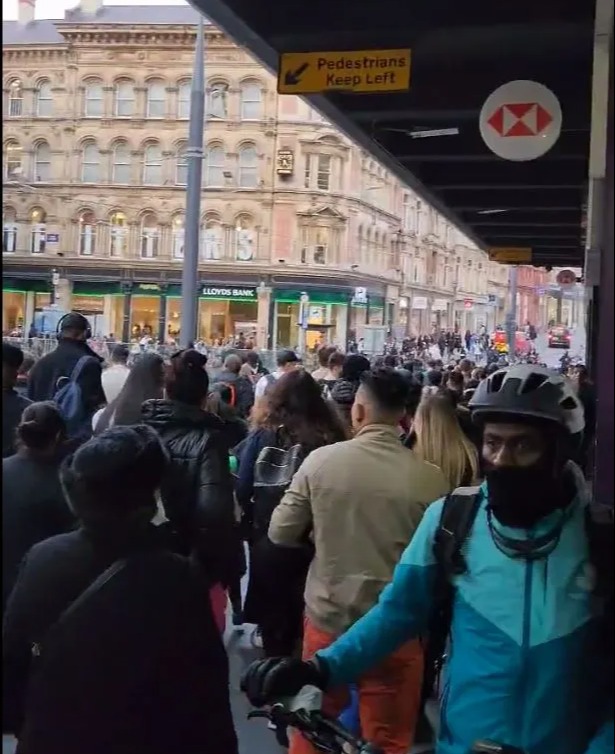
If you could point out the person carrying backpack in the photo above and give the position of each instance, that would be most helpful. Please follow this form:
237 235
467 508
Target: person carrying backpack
71 377
520 568
239 393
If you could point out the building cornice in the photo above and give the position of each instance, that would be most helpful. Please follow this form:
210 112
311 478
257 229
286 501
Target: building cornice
141 35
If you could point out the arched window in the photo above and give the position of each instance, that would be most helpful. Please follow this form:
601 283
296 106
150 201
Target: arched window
87 233
250 99
15 99
248 167
43 100
124 99
212 239
118 234
183 99
94 99
13 157
213 173
9 231
38 230
156 100
152 165
245 250
216 105
177 236
90 167
150 236
122 167
181 166
42 163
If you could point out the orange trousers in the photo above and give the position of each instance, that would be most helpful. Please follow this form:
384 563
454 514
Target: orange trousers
389 696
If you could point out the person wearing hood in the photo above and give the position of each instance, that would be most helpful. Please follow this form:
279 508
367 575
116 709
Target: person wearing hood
531 661
344 390
197 490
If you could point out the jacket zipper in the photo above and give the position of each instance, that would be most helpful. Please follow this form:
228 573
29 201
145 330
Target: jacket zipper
525 648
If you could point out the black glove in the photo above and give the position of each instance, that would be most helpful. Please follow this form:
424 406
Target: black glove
266 681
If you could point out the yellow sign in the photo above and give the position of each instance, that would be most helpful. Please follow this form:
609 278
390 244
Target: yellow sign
512 255
365 71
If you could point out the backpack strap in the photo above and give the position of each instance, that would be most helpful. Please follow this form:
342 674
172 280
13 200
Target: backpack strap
458 514
79 367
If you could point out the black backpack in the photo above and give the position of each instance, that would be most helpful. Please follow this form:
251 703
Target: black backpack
456 521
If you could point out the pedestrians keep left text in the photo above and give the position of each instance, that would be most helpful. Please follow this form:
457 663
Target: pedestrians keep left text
361 71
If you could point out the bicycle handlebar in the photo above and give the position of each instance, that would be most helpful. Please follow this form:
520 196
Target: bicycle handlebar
303 713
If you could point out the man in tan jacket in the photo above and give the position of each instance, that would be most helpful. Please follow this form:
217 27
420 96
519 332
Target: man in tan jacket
362 501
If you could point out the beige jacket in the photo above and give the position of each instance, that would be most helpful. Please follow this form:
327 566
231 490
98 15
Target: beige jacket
363 500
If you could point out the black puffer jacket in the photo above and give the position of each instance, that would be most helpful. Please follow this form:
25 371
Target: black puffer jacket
198 490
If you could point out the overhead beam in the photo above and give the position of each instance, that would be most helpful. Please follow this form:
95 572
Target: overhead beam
523 207
512 224
485 157
533 236
507 187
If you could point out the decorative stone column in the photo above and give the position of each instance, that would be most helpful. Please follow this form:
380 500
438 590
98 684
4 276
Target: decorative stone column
263 318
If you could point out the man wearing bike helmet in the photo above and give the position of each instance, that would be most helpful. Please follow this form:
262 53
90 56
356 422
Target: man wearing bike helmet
530 664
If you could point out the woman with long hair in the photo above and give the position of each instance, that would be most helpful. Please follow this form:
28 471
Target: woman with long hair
293 414
145 382
440 440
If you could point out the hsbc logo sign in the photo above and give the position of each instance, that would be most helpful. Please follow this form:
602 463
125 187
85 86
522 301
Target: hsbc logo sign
521 121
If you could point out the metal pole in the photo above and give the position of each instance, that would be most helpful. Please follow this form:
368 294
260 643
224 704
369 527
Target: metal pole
511 317
194 157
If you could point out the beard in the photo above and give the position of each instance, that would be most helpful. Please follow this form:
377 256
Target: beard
520 497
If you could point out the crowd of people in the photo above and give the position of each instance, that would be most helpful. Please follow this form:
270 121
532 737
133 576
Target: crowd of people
374 504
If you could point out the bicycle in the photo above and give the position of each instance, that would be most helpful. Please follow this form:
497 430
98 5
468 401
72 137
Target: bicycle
303 713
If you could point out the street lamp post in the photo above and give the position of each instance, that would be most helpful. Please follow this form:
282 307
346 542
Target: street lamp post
511 317
194 157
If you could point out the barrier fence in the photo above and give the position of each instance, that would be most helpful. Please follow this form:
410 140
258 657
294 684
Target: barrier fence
37 347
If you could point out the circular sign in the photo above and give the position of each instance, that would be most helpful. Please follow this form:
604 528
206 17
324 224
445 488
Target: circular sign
566 278
521 120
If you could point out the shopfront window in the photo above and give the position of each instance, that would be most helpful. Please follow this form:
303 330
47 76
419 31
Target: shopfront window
145 316
225 320
92 307
13 311
41 300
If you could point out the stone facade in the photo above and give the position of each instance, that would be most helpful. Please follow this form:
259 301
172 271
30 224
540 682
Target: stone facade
95 124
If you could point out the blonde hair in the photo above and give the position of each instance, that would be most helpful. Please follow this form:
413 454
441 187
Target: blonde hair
441 441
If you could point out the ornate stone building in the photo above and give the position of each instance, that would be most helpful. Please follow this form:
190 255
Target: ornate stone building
95 123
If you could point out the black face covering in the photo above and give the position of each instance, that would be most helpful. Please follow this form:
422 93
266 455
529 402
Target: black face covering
522 496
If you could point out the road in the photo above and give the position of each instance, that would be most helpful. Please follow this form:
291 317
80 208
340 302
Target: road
551 356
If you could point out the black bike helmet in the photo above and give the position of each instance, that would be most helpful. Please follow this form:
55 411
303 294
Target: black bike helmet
527 390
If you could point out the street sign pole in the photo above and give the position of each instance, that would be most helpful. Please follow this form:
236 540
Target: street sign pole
511 317
303 321
194 157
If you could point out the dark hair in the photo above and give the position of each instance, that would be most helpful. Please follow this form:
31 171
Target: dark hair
40 426
296 405
336 359
354 366
73 322
186 380
387 387
115 475
455 380
12 356
390 361
144 382
324 354
120 353
434 378
253 359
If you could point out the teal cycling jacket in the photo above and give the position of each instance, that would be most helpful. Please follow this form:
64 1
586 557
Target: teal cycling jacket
525 666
